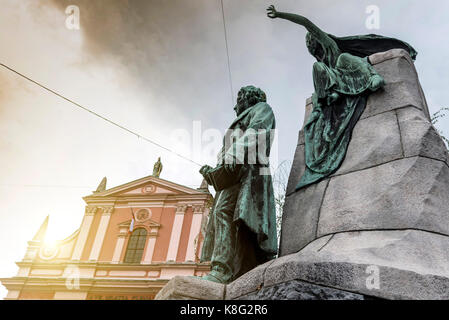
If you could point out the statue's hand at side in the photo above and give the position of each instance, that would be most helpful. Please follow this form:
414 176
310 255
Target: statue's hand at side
271 12
204 171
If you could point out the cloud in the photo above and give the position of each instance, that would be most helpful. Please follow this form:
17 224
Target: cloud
169 48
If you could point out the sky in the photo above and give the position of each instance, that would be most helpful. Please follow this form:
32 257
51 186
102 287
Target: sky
159 68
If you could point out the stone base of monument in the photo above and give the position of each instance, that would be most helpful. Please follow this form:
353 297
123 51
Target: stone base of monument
399 264
191 288
188 288
376 228
404 264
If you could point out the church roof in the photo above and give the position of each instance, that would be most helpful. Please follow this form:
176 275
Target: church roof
40 234
145 186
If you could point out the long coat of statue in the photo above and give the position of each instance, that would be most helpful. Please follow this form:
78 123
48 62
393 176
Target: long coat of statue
255 205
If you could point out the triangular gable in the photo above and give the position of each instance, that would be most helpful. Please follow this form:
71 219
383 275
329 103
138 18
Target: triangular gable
147 186
150 188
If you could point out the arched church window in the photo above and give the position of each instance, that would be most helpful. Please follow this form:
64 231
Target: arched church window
136 245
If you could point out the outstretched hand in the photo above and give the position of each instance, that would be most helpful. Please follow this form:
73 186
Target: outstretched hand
205 169
271 12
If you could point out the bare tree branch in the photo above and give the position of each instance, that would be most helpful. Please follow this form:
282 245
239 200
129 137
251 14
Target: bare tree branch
280 180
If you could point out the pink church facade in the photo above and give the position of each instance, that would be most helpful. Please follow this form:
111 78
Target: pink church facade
133 239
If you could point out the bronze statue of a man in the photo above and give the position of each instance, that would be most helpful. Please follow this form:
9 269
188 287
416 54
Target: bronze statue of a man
241 231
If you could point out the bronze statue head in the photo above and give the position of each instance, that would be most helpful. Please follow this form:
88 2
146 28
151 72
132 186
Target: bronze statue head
314 47
247 97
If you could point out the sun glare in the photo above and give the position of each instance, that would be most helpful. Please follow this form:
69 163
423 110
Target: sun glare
51 238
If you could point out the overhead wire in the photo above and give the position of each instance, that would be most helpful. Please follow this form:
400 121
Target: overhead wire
98 115
227 50
140 136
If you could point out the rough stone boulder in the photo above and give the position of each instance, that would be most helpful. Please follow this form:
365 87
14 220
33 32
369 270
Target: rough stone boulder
191 288
395 175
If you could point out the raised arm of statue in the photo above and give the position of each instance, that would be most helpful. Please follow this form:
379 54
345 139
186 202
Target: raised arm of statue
329 45
319 34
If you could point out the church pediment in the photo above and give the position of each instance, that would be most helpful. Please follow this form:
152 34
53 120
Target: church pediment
147 186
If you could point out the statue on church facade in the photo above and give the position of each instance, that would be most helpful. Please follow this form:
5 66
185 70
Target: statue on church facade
157 168
343 79
241 231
